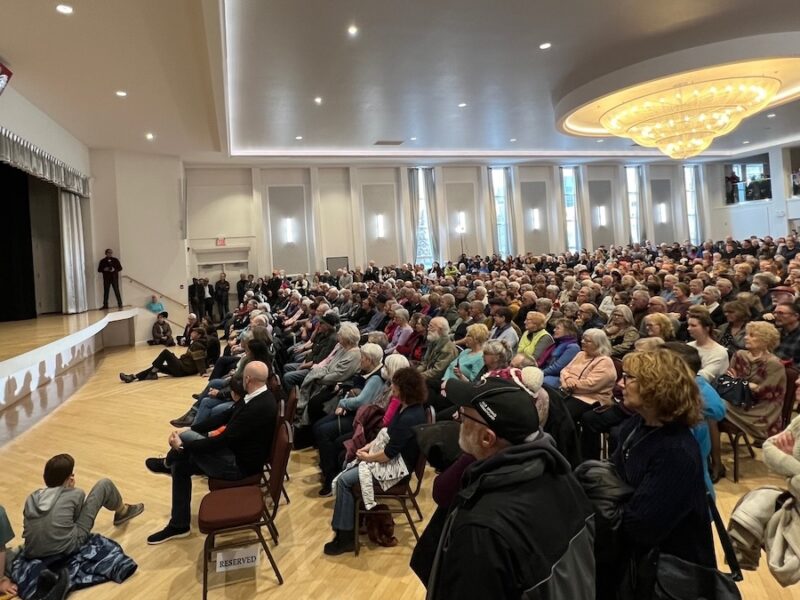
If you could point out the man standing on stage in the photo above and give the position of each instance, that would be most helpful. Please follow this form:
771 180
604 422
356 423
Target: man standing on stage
110 268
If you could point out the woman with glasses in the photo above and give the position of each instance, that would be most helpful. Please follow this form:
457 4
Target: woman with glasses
621 331
561 353
732 333
535 340
658 456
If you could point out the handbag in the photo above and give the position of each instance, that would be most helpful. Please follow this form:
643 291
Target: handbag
665 577
734 390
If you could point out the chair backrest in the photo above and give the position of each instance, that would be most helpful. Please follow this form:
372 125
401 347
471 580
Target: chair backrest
422 460
791 390
291 406
618 366
280 461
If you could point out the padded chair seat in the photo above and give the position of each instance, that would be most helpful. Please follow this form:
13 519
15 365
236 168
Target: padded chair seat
726 426
398 489
234 507
224 484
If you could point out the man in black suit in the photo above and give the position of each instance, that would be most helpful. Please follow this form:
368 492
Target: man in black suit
110 268
238 452
208 299
196 297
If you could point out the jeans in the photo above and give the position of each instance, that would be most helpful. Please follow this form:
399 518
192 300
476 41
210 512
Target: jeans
330 433
293 378
344 508
213 384
223 366
209 406
219 464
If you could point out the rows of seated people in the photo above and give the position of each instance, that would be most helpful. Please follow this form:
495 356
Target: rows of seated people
527 362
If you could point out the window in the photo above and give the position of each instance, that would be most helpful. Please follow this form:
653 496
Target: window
690 180
536 219
424 249
661 213
569 185
632 178
501 209
601 216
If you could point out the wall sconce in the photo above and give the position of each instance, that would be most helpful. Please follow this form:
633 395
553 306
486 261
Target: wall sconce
601 216
536 219
661 213
462 223
380 232
288 229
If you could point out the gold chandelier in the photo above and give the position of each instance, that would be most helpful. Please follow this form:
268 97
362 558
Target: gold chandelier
683 120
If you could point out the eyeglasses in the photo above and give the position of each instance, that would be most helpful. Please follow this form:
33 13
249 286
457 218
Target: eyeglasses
627 376
460 415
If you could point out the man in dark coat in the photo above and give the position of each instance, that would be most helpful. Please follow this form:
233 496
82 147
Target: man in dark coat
110 268
238 452
521 525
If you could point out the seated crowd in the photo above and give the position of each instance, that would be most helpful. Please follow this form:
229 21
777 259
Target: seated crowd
534 361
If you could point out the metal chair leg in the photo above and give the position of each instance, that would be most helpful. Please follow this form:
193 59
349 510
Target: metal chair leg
416 506
356 532
410 520
269 556
207 546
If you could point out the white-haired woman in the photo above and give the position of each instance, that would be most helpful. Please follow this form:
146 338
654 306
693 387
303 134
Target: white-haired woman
339 424
402 331
621 331
343 364
588 381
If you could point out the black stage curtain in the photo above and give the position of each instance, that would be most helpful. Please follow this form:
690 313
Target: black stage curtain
18 301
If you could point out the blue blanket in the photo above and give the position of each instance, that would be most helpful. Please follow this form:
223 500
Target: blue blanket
99 560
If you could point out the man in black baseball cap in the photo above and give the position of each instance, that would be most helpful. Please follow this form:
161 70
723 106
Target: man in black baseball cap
521 525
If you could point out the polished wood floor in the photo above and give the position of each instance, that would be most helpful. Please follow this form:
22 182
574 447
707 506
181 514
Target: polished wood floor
20 337
110 428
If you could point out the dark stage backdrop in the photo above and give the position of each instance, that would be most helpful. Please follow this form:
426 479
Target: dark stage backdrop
18 300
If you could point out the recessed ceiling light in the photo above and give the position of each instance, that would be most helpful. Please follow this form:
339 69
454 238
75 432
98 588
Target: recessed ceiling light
318 100
545 46
149 136
513 140
65 9
413 139
771 116
298 137
352 31
746 142
462 105
600 141
121 93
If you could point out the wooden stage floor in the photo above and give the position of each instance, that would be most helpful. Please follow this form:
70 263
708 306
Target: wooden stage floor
110 428
20 337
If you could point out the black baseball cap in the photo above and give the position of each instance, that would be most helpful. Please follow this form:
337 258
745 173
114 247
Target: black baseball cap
507 409
332 319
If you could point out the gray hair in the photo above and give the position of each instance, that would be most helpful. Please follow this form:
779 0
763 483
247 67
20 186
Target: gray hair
373 352
349 334
600 339
626 313
392 364
402 313
501 349
714 291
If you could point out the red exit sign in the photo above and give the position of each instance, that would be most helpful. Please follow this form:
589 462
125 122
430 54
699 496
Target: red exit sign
5 77
221 241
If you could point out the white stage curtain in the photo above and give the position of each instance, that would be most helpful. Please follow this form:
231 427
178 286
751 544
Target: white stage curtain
73 262
433 217
510 212
413 195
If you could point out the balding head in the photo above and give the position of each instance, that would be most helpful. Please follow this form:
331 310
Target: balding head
255 375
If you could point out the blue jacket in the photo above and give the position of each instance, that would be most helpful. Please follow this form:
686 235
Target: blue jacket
562 355
369 393
714 410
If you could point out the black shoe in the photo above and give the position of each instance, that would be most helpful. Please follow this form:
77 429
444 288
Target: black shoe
343 542
325 491
151 342
119 307
157 466
126 378
184 421
52 586
104 308
168 533
151 376
196 396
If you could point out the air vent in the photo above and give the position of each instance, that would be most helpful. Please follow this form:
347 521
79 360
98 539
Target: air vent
388 142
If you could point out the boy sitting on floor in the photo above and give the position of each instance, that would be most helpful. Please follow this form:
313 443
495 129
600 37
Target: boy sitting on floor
59 518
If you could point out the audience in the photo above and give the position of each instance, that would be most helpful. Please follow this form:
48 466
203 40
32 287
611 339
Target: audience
714 357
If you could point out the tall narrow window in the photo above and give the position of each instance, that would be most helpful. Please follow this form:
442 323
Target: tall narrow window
632 179
690 181
569 185
536 219
500 194
424 248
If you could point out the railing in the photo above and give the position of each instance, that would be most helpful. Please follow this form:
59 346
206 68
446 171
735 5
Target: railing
160 294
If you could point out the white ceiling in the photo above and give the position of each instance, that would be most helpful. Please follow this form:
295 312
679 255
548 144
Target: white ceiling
401 77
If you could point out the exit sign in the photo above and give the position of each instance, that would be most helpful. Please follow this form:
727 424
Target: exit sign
221 241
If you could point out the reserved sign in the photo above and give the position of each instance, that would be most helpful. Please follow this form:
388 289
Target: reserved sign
238 558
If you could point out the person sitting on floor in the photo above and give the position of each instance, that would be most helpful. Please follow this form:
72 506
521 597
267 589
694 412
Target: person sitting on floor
236 453
185 339
162 332
6 535
191 362
58 519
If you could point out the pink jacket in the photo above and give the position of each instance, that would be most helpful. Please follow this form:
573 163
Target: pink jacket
590 379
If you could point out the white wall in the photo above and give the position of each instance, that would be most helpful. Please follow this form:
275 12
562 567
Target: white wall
337 229
19 116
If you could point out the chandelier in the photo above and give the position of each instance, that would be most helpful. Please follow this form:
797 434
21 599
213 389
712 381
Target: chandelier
683 120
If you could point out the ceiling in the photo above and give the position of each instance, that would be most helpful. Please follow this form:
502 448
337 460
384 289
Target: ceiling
213 79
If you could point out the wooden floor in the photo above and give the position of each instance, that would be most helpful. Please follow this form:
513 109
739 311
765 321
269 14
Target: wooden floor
110 428
20 337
